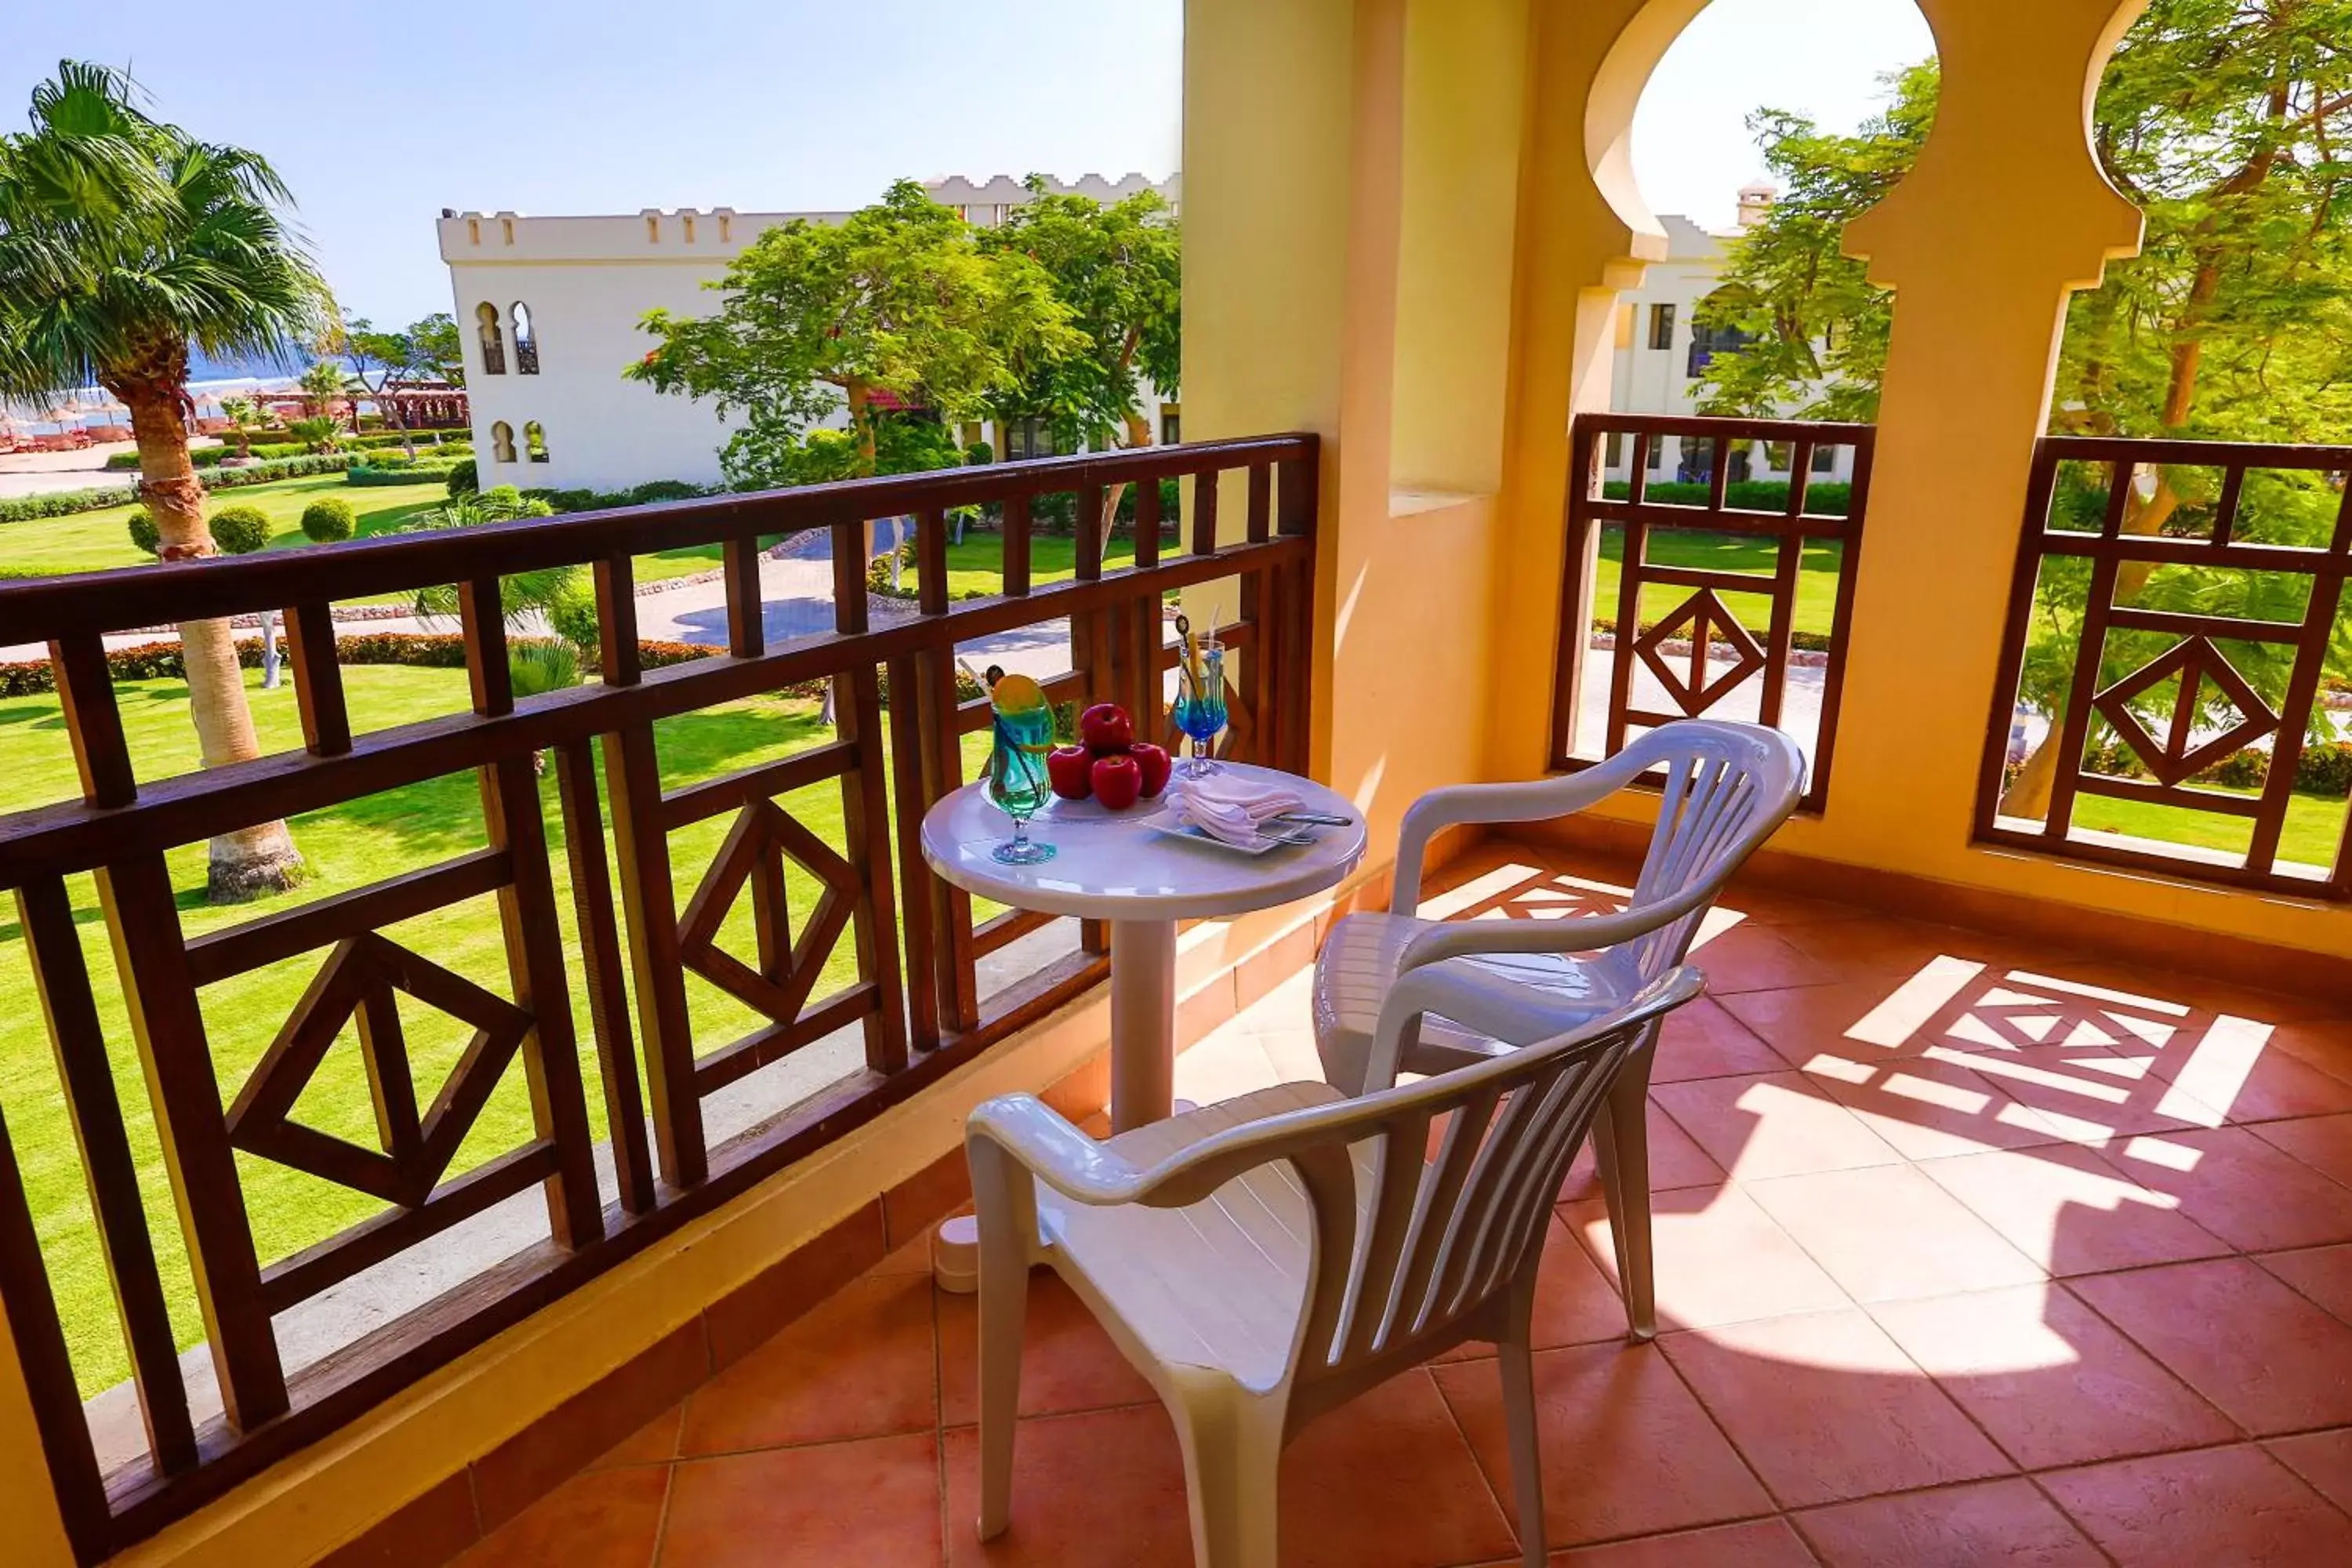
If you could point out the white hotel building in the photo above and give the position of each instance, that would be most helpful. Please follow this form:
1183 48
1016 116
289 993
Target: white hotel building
549 307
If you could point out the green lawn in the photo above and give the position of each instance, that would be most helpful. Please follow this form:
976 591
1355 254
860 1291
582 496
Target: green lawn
99 541
977 565
2314 825
346 845
1816 579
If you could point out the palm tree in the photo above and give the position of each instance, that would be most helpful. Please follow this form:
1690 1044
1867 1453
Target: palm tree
123 241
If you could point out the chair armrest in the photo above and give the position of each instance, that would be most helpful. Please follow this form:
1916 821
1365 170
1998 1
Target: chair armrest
1455 804
1043 1142
1587 933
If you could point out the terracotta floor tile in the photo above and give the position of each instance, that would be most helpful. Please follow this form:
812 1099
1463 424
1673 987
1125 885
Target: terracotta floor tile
1891 1234
1888 1016
873 1502
1926 1109
2200 993
2322 1273
1626 1450
2229 1064
1723 1262
2216 1505
2322 1458
1675 1161
1387 1479
1105 1486
1877 947
2006 1522
2091 1095
655 1443
2321 1043
2268 1358
1827 1408
1068 1362
596 1520
1775 907
2241 1188
1576 1303
859 1365
1759 1543
1701 1039
2321 1142
2049 1380
914 1258
2072 1211
1757 958
1773 1124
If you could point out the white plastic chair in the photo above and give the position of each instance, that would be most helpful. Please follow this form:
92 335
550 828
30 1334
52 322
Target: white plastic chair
1265 1259
1727 787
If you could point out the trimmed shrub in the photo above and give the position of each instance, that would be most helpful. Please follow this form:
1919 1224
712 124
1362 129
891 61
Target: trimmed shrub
647 494
463 479
328 520
145 535
374 472
64 503
2326 769
573 618
541 665
240 529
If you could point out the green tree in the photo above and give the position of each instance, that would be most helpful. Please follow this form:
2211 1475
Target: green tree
2227 122
896 305
377 359
438 354
242 414
1119 270
122 241
324 383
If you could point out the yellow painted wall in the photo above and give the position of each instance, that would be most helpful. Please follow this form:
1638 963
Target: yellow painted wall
2006 213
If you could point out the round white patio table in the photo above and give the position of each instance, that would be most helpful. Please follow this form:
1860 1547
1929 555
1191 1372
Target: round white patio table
1117 867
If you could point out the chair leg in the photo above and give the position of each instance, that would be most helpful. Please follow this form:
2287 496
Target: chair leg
1231 1443
1004 1252
1621 1148
1515 1360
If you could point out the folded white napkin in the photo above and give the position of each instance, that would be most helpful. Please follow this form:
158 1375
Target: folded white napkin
1229 806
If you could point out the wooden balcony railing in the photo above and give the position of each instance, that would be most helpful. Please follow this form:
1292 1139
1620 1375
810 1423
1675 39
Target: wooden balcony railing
1703 654
915 996
2158 655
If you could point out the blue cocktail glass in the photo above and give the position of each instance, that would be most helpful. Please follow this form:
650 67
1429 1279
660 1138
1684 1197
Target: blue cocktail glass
1199 710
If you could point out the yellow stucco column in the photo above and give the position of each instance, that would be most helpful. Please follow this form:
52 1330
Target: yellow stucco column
2005 215
31 1535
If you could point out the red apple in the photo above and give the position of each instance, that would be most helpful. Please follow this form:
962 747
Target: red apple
1067 768
1118 781
1155 764
1106 729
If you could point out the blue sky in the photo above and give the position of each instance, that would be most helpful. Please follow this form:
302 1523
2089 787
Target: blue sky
556 106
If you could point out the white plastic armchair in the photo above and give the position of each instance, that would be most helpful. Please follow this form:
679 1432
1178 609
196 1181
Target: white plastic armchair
1727 787
1267 1259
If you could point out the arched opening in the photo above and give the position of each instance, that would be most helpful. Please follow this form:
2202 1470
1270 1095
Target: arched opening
1757 136
494 344
502 448
2166 708
526 340
534 441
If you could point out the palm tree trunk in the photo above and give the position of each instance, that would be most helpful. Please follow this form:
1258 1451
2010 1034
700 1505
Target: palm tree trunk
254 860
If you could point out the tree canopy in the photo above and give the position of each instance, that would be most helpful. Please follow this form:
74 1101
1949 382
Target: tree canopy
898 305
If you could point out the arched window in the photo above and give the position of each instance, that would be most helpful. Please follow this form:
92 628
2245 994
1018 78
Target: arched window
526 340
534 442
494 344
503 442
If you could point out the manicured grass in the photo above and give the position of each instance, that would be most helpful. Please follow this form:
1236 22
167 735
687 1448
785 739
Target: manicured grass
2314 825
1816 578
977 565
99 541
345 846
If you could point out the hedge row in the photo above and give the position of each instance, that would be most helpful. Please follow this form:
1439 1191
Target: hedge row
160 661
645 494
1810 642
211 457
2324 769
67 503
400 474
1824 499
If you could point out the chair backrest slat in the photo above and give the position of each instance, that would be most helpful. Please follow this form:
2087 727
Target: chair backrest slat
1405 1245
1727 787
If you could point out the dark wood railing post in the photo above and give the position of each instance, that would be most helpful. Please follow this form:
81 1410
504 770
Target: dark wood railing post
866 800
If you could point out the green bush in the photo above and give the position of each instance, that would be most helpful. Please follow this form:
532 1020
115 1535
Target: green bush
2326 769
328 520
373 471
573 616
145 535
1822 498
978 452
64 503
463 478
542 665
647 494
239 529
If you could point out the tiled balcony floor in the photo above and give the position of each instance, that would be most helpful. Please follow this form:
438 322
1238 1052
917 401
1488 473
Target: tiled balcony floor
1967 1254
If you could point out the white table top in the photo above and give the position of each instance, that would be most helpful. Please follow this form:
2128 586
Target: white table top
1112 867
